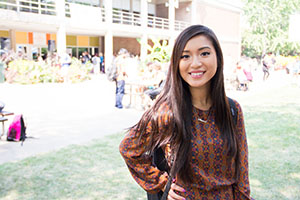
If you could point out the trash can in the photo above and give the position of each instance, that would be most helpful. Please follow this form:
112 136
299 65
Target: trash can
2 78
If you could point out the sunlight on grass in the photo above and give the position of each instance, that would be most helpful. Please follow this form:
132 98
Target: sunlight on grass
295 176
255 182
12 195
290 192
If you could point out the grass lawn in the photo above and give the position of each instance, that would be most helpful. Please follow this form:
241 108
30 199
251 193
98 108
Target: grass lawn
97 171
273 129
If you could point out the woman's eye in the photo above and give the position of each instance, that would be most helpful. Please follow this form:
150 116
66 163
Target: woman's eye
205 53
185 56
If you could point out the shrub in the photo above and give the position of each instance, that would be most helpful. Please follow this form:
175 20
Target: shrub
31 72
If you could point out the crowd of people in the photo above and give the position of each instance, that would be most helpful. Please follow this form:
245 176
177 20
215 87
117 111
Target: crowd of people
249 70
150 76
145 81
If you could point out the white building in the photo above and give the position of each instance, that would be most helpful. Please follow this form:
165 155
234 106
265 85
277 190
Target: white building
108 25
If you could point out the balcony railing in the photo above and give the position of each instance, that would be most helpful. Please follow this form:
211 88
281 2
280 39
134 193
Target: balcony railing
46 7
127 18
84 2
158 22
180 25
68 10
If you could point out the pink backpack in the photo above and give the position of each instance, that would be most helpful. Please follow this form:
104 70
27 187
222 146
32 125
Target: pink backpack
17 129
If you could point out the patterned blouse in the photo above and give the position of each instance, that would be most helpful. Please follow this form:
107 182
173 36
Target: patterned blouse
212 171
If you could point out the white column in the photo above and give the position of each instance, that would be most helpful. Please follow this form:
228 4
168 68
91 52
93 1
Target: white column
61 40
18 6
61 32
13 43
101 3
131 6
108 40
144 13
171 41
144 20
108 55
29 52
194 12
172 22
171 15
144 42
108 11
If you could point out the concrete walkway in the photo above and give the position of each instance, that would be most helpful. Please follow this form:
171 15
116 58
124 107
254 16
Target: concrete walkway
58 115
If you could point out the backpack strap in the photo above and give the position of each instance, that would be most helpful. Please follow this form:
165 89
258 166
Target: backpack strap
167 189
159 160
233 110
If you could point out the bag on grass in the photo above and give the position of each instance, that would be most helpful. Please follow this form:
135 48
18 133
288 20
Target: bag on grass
17 130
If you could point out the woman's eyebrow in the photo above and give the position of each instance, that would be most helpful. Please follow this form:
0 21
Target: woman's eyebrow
200 49
205 47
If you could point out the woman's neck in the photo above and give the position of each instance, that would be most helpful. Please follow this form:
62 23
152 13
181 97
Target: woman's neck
201 98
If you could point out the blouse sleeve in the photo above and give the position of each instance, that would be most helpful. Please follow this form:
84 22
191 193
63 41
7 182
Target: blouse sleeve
242 188
133 151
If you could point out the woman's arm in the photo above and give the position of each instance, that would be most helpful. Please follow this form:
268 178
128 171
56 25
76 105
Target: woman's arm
133 151
242 188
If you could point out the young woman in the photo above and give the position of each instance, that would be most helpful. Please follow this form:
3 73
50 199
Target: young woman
191 120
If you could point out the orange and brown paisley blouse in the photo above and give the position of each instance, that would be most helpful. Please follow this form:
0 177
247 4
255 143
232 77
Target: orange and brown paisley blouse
212 170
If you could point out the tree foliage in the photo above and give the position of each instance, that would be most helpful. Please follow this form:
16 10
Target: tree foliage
158 51
268 26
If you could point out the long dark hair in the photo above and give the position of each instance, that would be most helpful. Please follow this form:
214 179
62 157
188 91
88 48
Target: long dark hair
177 97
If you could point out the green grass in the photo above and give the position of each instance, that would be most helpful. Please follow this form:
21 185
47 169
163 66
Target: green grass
97 171
94 171
273 130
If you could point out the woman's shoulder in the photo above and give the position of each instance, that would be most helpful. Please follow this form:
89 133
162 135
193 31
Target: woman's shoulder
235 104
164 107
164 112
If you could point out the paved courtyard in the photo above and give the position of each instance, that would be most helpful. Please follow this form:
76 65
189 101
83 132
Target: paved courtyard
58 115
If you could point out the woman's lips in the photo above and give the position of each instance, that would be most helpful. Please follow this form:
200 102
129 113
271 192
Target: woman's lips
198 74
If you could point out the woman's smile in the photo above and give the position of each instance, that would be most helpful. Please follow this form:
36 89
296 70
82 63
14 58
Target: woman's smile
197 74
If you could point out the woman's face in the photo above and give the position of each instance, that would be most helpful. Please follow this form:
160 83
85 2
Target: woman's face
198 62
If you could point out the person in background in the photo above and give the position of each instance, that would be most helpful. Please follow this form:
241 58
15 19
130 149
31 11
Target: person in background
121 62
267 63
296 71
65 61
155 84
96 63
85 57
192 122
102 69
39 58
241 77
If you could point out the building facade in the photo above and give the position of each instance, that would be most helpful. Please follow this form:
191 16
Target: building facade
74 26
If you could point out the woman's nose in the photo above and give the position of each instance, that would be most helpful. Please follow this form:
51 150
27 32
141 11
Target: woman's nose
196 62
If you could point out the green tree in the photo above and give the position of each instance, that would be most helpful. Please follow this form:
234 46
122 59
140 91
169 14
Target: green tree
159 51
268 25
